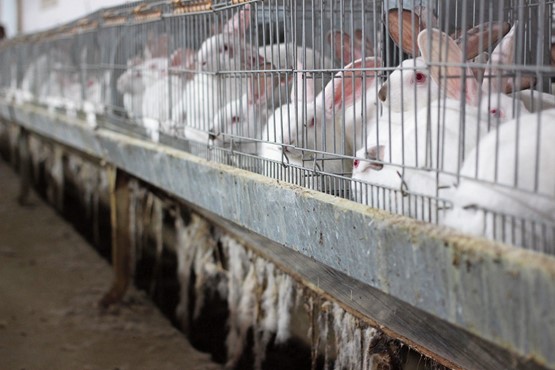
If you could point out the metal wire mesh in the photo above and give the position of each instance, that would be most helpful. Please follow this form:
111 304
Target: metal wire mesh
437 110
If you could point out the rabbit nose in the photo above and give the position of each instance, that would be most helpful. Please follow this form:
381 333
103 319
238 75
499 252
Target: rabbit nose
382 94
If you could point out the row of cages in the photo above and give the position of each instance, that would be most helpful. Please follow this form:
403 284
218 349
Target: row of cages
437 110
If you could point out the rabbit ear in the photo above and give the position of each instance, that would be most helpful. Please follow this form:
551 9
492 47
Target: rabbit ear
443 49
404 23
136 60
157 46
341 43
495 80
481 58
423 13
216 28
183 57
521 83
261 85
345 89
302 80
189 57
486 34
177 58
361 44
239 22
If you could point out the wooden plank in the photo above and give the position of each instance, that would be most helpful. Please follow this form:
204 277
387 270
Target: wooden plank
24 167
121 237
447 344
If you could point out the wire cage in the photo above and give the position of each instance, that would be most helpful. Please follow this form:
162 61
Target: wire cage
440 111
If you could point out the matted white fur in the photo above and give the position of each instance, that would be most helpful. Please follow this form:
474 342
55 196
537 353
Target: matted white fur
368 335
352 341
238 272
196 253
285 303
260 298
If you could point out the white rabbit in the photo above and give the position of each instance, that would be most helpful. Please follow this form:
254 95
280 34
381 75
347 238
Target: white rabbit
205 95
39 72
341 98
35 75
535 101
89 93
72 92
358 109
226 50
130 84
97 93
52 91
141 72
282 56
287 55
208 91
194 112
282 129
307 134
248 115
10 88
159 97
380 179
243 119
512 174
424 154
409 87
405 25
347 49
68 90
134 81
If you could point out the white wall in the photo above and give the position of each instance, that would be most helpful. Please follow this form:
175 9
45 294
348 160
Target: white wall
8 16
37 16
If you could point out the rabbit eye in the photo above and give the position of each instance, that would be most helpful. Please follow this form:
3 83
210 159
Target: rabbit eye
496 113
311 124
234 119
356 163
420 77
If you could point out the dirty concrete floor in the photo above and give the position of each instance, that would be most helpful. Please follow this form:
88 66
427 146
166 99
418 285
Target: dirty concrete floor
50 283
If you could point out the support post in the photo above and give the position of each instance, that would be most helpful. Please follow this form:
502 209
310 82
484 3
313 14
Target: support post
24 167
121 236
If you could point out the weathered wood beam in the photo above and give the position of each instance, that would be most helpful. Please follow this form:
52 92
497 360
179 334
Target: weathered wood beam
121 237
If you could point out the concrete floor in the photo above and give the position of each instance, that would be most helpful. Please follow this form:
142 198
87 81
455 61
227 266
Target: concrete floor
50 283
